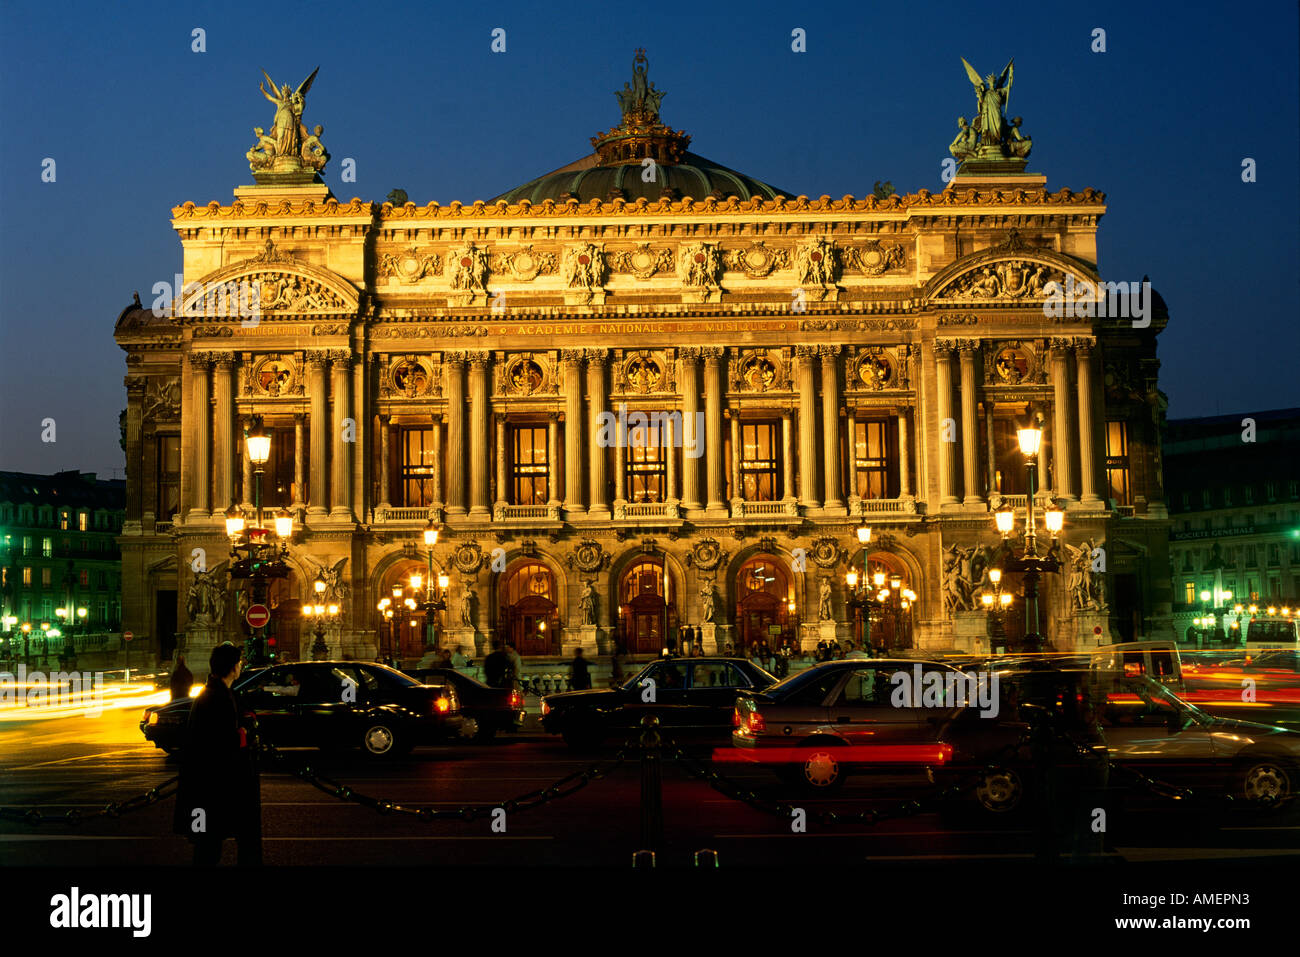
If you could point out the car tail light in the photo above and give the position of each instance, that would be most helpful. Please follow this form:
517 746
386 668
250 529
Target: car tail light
736 718
442 704
756 723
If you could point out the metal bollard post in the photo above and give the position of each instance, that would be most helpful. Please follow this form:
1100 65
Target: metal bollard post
652 798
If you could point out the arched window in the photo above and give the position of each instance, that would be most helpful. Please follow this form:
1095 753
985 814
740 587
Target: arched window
647 608
763 597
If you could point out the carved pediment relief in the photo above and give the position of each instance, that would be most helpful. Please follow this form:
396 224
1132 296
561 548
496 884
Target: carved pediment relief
259 289
1010 273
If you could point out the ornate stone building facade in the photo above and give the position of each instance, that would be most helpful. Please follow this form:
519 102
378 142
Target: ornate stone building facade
642 392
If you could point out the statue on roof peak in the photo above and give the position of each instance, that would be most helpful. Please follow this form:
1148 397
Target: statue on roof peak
640 101
289 150
989 137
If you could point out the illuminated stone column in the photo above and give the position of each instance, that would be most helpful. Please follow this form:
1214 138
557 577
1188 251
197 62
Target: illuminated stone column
1061 449
1088 466
573 467
904 453
299 490
831 425
553 457
438 457
737 493
318 385
454 365
968 348
502 497
669 436
201 363
384 452
343 441
596 359
478 435
713 395
224 433
787 455
946 423
804 358
246 427
690 386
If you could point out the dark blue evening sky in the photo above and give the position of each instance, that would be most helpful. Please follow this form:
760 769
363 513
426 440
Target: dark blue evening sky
138 123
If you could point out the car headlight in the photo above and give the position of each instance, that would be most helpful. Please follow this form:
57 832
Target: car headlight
546 708
153 718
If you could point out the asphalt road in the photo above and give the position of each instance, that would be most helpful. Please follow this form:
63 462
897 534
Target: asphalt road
82 763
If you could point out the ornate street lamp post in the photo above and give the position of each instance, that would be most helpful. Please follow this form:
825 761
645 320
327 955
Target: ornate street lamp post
431 602
256 557
861 600
864 537
323 614
1030 562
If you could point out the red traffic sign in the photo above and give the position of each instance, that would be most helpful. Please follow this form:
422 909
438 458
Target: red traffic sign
128 635
257 616
1096 629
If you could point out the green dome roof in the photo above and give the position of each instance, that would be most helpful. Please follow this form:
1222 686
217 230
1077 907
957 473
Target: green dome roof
694 176
617 168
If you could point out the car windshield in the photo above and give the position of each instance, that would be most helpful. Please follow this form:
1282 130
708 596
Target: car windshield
1147 688
392 675
799 679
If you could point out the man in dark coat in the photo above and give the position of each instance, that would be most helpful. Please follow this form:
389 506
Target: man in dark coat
579 675
218 796
497 672
182 679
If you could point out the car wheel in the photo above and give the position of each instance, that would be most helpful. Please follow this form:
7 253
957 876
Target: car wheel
379 739
1264 783
821 770
1000 791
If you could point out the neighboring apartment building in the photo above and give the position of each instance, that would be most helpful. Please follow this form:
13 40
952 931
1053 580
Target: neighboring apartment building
1233 487
58 549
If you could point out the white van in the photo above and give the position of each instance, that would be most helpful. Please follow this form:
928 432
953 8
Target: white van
1271 632
1158 660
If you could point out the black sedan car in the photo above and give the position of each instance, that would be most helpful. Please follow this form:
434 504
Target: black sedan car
328 704
486 710
692 697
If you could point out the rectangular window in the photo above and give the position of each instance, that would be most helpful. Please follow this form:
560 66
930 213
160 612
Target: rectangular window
1205 498
1117 462
1250 495
1227 495
277 484
27 575
760 461
1189 593
47 547
63 521
27 544
168 502
83 521
871 458
528 464
84 578
647 461
46 576
416 465
1270 489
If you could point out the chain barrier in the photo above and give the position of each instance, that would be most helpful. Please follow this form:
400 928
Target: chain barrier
564 787
112 810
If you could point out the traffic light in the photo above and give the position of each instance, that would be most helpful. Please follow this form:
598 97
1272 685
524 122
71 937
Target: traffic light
271 650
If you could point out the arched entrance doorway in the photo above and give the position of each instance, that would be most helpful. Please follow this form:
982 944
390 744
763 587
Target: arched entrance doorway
529 614
763 596
647 607
405 629
891 620
285 626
